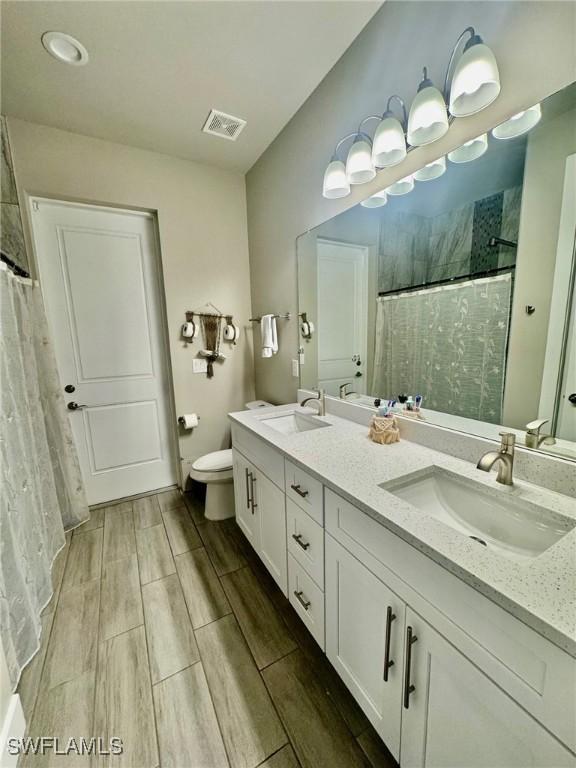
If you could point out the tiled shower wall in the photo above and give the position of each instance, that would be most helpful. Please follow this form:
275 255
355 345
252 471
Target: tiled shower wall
416 249
11 237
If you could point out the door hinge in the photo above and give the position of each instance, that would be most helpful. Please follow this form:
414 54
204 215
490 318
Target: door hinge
35 206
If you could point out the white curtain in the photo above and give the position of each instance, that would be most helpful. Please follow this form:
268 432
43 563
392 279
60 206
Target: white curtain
41 492
446 343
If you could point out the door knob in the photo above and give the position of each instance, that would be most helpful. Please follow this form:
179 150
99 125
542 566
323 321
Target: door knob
74 406
572 398
69 388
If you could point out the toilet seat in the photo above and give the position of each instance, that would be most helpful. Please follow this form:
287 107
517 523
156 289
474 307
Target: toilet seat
217 461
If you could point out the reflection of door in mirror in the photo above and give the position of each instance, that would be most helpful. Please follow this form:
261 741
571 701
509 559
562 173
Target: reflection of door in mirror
342 315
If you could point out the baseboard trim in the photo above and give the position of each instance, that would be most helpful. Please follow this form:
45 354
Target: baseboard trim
13 727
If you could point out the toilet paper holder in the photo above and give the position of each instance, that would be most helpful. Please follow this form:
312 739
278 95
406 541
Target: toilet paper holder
182 421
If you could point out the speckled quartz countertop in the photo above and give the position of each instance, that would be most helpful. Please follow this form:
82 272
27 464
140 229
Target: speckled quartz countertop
541 591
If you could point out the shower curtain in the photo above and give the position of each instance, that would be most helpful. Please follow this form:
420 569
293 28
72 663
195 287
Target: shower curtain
447 344
41 491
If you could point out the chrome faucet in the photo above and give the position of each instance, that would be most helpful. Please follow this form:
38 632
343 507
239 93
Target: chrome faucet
343 390
533 438
504 457
317 400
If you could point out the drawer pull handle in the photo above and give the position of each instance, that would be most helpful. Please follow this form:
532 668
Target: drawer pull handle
298 539
387 660
298 594
408 687
248 476
252 481
299 491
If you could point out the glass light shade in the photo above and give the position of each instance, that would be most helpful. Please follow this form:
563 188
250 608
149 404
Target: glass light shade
428 119
402 187
376 200
476 81
432 170
359 165
471 150
389 144
519 124
335 180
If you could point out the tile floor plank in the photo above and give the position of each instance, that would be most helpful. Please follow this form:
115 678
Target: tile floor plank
222 546
182 533
171 643
124 706
121 601
154 556
119 539
170 499
84 558
188 730
264 629
203 592
317 732
195 505
96 521
146 512
72 645
284 758
250 727
63 712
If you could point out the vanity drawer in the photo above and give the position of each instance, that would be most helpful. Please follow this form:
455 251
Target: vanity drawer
268 461
307 599
305 491
306 541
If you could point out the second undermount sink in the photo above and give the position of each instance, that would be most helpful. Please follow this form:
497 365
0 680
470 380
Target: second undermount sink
511 526
291 422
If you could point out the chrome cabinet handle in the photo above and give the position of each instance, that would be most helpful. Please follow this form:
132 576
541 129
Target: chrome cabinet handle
299 491
408 687
298 594
387 660
298 539
252 481
248 474
75 407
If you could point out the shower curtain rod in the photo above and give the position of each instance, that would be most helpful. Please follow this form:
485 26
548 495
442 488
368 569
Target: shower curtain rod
449 281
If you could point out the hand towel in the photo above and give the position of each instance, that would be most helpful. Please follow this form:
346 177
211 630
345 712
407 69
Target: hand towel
269 335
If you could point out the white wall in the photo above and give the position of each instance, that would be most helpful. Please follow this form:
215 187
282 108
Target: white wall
534 43
202 222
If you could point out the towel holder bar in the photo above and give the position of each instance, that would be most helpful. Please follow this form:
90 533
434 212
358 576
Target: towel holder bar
286 316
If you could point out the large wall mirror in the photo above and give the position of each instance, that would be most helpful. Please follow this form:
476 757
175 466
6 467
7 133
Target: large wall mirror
460 288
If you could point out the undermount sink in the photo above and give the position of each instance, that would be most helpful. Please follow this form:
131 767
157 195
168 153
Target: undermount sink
291 422
513 527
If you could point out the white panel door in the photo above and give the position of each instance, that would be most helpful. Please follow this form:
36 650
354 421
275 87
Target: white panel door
364 636
342 315
100 278
456 717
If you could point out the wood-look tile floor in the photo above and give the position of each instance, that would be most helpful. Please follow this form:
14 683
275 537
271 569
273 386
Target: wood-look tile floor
167 632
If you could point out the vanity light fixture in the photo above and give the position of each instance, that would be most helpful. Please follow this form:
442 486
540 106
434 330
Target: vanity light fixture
518 124
359 166
432 170
470 150
476 80
65 48
336 182
401 187
428 120
377 200
389 145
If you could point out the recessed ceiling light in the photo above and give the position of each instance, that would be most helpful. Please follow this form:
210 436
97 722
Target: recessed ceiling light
65 48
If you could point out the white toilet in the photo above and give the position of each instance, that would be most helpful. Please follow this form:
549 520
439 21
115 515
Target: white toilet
215 470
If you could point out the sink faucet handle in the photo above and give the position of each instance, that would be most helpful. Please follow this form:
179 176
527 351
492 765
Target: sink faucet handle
534 427
508 440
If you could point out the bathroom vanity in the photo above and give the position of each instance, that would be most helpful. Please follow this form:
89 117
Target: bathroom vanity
460 652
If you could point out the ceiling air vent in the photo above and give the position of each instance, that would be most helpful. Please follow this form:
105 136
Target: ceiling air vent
223 125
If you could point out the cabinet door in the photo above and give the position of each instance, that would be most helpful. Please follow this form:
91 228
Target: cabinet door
247 514
270 505
364 635
458 718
